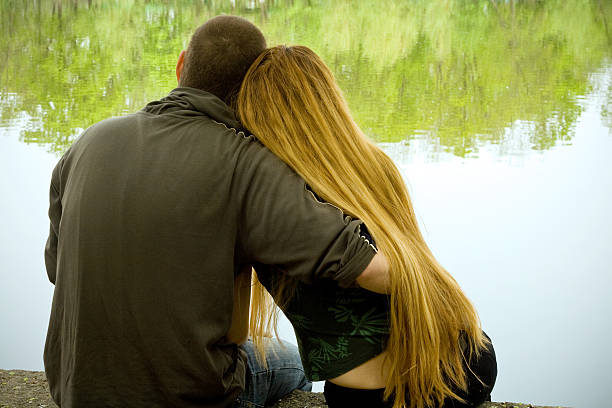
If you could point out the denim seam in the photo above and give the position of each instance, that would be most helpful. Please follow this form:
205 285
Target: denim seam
277 369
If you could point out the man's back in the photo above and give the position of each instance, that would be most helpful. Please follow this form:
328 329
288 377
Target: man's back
147 245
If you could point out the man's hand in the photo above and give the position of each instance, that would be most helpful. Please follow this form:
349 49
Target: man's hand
375 277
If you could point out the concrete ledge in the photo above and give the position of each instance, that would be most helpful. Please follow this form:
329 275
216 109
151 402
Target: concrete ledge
19 388
300 399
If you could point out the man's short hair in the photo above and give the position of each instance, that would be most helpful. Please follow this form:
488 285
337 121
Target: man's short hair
219 54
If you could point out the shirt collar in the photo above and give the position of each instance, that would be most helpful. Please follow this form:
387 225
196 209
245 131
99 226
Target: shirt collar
191 101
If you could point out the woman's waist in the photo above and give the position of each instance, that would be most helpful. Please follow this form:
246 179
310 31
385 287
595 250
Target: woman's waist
329 355
368 376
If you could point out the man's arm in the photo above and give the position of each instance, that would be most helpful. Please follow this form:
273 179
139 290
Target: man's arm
375 277
55 213
284 225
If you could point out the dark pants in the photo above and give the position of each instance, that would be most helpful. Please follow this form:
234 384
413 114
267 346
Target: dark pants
485 367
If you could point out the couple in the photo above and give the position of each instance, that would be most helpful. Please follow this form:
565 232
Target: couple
159 217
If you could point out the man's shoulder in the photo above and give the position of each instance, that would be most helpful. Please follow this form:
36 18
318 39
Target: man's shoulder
251 149
259 158
104 126
112 122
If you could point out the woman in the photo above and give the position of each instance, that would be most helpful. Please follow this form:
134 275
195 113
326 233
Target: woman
409 348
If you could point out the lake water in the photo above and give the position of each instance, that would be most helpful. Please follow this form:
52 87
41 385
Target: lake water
499 115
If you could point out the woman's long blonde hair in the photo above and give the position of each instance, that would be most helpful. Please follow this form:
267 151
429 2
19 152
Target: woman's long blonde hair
292 104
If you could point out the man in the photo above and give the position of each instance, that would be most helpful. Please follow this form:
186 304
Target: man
153 216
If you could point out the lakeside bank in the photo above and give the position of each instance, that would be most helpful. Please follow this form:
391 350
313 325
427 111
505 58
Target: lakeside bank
21 388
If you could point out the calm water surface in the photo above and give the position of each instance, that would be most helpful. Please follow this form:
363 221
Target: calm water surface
498 114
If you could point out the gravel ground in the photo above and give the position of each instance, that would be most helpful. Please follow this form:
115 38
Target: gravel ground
300 399
20 388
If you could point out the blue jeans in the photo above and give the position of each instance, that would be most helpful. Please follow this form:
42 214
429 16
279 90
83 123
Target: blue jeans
265 386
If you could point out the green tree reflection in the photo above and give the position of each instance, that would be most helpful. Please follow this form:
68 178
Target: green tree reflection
459 73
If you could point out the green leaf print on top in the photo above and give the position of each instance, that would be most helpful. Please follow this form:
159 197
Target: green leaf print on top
300 320
370 325
337 329
322 353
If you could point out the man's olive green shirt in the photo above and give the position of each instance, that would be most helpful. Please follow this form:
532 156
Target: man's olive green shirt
152 216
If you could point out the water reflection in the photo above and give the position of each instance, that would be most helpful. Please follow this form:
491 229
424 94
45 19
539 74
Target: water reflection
458 74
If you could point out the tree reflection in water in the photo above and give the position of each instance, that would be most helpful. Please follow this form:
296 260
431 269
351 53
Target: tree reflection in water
458 73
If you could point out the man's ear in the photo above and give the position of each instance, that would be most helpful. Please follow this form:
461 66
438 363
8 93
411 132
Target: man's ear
179 65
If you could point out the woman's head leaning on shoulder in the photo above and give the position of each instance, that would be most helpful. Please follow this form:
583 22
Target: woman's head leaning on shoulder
292 104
